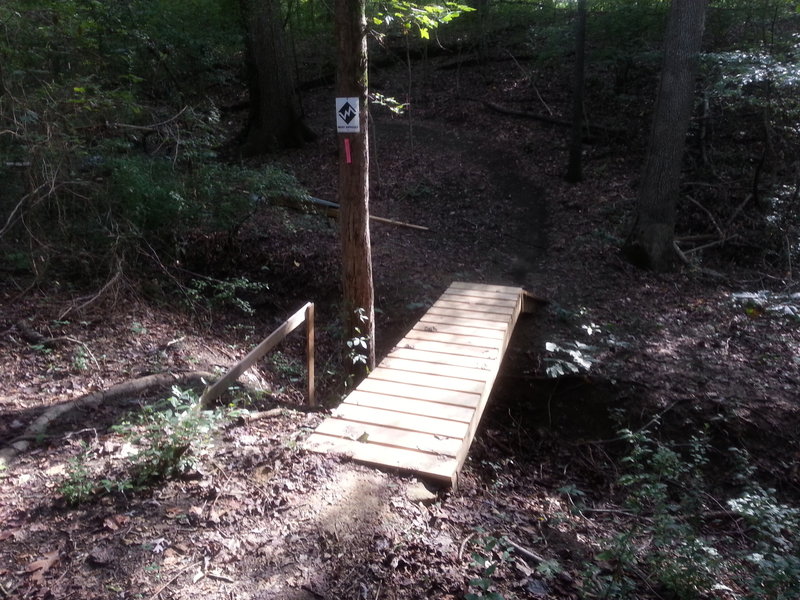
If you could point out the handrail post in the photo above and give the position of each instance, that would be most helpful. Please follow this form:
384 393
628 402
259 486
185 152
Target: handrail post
254 355
312 400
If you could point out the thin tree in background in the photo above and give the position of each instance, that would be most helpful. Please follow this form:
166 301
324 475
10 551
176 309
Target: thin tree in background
651 243
574 167
358 292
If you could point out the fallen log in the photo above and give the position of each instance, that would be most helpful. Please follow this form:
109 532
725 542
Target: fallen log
38 428
547 119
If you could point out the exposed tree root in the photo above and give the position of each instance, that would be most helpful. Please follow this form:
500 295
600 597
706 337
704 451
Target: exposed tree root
34 337
38 428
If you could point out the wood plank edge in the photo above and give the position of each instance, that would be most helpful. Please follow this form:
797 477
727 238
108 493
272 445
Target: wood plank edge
444 473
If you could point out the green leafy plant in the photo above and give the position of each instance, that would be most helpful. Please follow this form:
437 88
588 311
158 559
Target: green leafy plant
424 17
358 343
219 292
286 366
78 486
772 555
170 437
80 359
489 554
107 151
664 489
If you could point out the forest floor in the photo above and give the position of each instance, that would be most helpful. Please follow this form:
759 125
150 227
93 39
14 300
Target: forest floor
258 517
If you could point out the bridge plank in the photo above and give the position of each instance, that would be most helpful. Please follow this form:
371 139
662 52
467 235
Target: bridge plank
443 357
419 392
435 466
437 381
389 436
414 406
398 420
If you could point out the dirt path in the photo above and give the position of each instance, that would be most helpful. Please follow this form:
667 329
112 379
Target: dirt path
514 236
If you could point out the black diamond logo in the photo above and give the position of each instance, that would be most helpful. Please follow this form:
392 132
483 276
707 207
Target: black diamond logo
347 113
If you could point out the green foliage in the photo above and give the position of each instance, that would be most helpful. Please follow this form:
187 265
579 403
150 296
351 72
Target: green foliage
78 486
751 90
161 441
408 16
94 176
358 349
170 437
217 292
665 488
490 553
772 559
625 36
79 359
286 366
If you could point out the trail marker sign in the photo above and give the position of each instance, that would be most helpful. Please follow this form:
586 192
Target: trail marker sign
347 115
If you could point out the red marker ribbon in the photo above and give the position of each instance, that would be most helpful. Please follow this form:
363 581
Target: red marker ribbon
347 158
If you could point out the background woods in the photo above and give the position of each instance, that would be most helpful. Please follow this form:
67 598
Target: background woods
170 171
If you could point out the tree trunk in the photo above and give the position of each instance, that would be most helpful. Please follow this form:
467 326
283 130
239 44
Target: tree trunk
650 244
275 119
358 301
574 167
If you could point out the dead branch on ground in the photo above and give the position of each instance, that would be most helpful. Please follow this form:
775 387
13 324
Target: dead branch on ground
134 386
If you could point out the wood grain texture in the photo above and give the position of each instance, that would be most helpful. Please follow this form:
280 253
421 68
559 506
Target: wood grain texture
389 436
414 406
429 368
419 392
464 322
436 381
398 420
442 357
470 313
435 466
455 329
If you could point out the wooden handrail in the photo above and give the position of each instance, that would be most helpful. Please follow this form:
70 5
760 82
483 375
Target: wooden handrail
305 314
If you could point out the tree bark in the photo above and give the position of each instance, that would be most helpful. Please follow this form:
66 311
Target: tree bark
358 292
650 244
275 119
575 164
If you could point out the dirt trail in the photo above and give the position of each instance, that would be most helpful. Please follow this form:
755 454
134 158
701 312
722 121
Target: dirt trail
512 208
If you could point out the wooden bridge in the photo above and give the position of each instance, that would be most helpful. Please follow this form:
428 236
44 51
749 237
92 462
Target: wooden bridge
419 409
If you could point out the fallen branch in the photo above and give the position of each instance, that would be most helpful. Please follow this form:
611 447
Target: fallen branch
685 259
718 242
739 209
106 286
546 119
174 578
525 552
38 428
708 213
464 545
155 126
331 209
249 417
525 114
37 339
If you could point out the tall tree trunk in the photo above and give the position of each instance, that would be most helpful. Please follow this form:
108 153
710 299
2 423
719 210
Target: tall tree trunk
650 244
574 167
351 82
275 119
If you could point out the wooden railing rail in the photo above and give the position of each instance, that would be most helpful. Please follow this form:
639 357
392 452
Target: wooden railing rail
304 315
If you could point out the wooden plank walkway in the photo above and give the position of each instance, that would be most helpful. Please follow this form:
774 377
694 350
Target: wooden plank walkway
419 409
